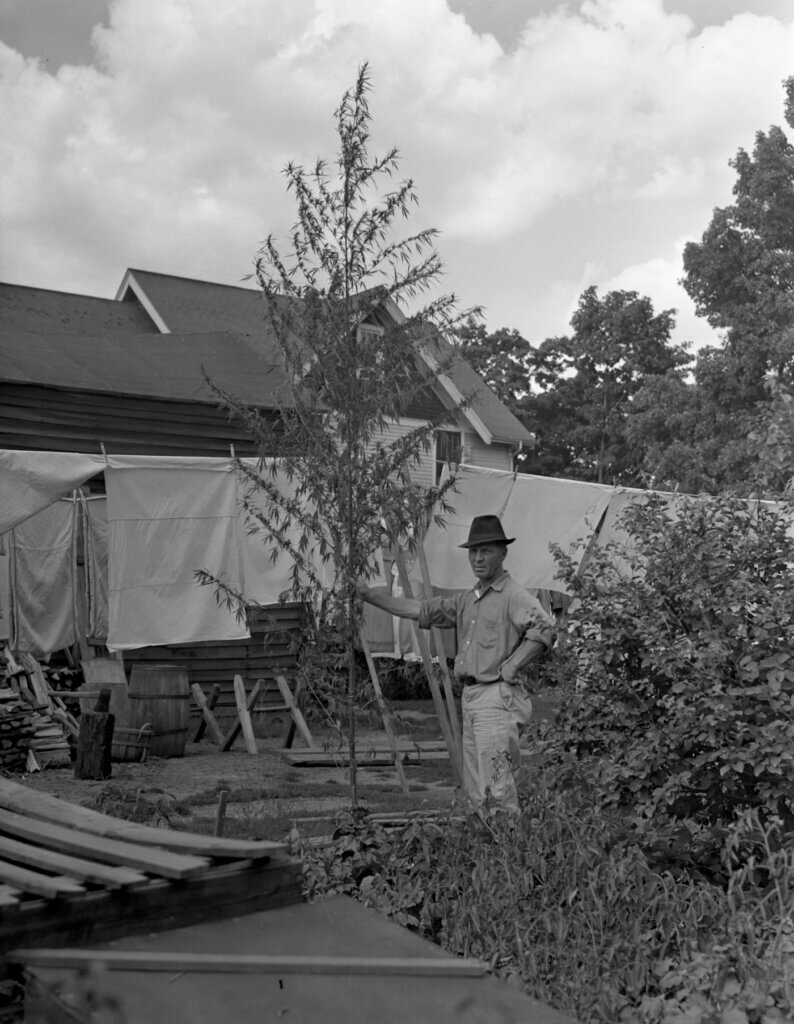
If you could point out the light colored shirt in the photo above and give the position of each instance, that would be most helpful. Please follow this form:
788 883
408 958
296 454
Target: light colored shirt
492 625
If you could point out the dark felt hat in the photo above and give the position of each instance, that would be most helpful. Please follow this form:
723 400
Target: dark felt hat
486 530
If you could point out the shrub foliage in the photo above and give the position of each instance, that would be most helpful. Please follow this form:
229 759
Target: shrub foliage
679 662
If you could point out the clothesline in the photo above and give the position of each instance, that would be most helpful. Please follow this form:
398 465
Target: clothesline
168 517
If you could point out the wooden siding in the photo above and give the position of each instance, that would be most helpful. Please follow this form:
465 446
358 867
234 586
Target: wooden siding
34 418
424 473
272 650
475 451
488 456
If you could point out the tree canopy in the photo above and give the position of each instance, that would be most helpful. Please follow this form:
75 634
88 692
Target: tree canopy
615 401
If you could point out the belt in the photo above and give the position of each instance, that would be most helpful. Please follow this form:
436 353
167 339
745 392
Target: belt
473 681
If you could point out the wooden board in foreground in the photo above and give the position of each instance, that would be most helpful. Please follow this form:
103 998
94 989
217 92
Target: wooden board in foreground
241 963
48 808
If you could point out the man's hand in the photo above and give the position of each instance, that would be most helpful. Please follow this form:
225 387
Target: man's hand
362 589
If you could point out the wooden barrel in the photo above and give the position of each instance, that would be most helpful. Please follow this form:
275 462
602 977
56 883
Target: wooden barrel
160 695
131 744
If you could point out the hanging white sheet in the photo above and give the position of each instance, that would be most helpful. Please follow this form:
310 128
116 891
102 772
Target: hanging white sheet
42 555
30 481
268 568
536 511
167 519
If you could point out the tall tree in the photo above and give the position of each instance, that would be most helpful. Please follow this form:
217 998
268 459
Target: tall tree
588 381
741 278
502 358
347 371
741 274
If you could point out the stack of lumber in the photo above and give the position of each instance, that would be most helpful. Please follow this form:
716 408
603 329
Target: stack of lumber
16 731
70 874
50 720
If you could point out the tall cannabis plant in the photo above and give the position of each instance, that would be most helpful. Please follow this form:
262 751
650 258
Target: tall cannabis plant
357 351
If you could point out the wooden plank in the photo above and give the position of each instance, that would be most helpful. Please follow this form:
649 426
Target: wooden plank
243 714
366 758
384 711
251 963
222 892
49 886
97 671
438 699
295 711
207 715
234 731
37 681
438 640
108 851
9 896
36 856
48 808
211 702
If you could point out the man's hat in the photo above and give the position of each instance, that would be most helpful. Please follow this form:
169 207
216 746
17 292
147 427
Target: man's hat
486 530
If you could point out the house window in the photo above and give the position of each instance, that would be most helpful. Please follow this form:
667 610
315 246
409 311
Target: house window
369 332
449 449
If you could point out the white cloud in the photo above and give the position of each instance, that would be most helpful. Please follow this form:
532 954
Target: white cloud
168 152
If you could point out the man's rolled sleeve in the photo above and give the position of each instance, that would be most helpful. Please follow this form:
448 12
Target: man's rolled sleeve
536 624
438 611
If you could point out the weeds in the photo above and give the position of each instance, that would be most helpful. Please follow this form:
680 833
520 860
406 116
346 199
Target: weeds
144 806
567 904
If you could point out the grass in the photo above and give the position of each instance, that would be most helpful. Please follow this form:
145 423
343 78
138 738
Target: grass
566 904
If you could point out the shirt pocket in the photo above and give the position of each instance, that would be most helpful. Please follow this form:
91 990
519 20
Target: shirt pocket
487 633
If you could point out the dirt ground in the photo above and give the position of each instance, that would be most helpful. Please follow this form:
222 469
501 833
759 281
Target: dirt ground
266 796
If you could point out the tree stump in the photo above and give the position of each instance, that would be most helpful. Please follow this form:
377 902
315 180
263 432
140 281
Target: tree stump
94 740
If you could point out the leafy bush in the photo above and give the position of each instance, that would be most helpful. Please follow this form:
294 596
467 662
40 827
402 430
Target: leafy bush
566 905
679 662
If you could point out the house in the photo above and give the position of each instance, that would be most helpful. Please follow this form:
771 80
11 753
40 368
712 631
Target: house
79 372
129 376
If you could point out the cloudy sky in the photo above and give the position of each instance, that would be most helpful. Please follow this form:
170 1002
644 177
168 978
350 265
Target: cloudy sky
554 145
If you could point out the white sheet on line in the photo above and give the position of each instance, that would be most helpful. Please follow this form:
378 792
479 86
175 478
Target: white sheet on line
42 581
168 519
267 568
30 481
536 511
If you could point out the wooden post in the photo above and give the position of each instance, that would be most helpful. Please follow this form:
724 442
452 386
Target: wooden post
295 712
243 715
455 757
439 642
215 693
206 713
234 729
385 713
95 740
220 813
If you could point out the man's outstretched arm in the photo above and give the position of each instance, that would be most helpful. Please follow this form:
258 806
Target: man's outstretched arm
403 607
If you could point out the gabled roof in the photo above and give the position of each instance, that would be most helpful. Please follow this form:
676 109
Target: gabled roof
189 306
153 365
51 312
186 304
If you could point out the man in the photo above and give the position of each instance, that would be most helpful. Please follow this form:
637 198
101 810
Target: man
500 629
